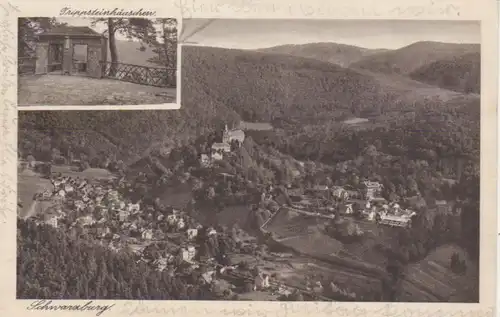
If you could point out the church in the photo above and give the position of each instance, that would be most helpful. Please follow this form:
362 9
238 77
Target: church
233 135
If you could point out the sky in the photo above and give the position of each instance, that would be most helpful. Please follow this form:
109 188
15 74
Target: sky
388 34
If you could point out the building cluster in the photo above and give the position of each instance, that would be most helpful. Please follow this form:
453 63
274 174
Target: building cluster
100 210
218 149
370 205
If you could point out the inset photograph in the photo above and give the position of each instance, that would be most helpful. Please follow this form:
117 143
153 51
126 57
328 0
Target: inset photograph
96 61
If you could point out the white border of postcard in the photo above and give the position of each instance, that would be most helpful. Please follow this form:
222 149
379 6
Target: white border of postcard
484 10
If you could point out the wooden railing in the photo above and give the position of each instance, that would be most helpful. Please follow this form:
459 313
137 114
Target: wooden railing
143 75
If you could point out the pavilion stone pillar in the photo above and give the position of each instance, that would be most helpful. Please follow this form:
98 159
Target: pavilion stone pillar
104 45
68 56
104 54
42 51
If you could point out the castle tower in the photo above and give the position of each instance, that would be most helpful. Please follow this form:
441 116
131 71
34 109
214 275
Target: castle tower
225 135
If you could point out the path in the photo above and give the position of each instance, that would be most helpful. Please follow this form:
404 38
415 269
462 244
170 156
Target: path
77 90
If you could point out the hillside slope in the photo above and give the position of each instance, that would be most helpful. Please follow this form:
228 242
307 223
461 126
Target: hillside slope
267 87
409 58
462 73
304 99
340 54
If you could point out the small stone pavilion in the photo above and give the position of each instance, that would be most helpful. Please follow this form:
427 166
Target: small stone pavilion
71 50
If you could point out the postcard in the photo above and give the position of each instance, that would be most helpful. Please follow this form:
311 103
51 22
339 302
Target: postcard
324 159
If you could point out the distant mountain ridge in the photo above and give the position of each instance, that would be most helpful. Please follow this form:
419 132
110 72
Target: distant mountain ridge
340 54
450 66
409 58
128 53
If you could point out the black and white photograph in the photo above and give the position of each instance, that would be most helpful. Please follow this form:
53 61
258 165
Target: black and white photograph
311 160
72 61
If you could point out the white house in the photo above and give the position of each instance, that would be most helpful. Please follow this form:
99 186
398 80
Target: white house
349 209
371 215
217 156
188 253
147 234
192 234
52 220
181 224
212 232
171 219
133 207
261 282
204 160
61 193
340 193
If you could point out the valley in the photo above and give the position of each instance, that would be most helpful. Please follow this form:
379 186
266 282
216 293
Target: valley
288 177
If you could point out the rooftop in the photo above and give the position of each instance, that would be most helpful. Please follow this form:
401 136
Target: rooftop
68 30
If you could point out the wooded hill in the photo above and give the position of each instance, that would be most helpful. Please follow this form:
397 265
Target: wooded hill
306 100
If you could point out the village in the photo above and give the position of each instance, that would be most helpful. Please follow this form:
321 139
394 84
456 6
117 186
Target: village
171 240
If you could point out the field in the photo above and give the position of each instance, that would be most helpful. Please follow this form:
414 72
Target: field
256 126
356 121
288 223
366 250
90 173
305 235
432 278
409 88
77 90
294 271
27 186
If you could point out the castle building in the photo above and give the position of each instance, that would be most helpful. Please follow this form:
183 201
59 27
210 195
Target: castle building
228 136
233 135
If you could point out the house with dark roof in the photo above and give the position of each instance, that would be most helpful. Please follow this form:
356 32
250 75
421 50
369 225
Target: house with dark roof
56 47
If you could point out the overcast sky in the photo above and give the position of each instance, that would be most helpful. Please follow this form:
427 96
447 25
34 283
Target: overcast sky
390 34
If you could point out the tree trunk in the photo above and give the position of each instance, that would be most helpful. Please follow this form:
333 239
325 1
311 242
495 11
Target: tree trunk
165 49
112 48
165 45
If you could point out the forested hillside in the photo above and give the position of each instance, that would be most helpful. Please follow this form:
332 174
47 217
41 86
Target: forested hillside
462 73
305 100
409 58
53 264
